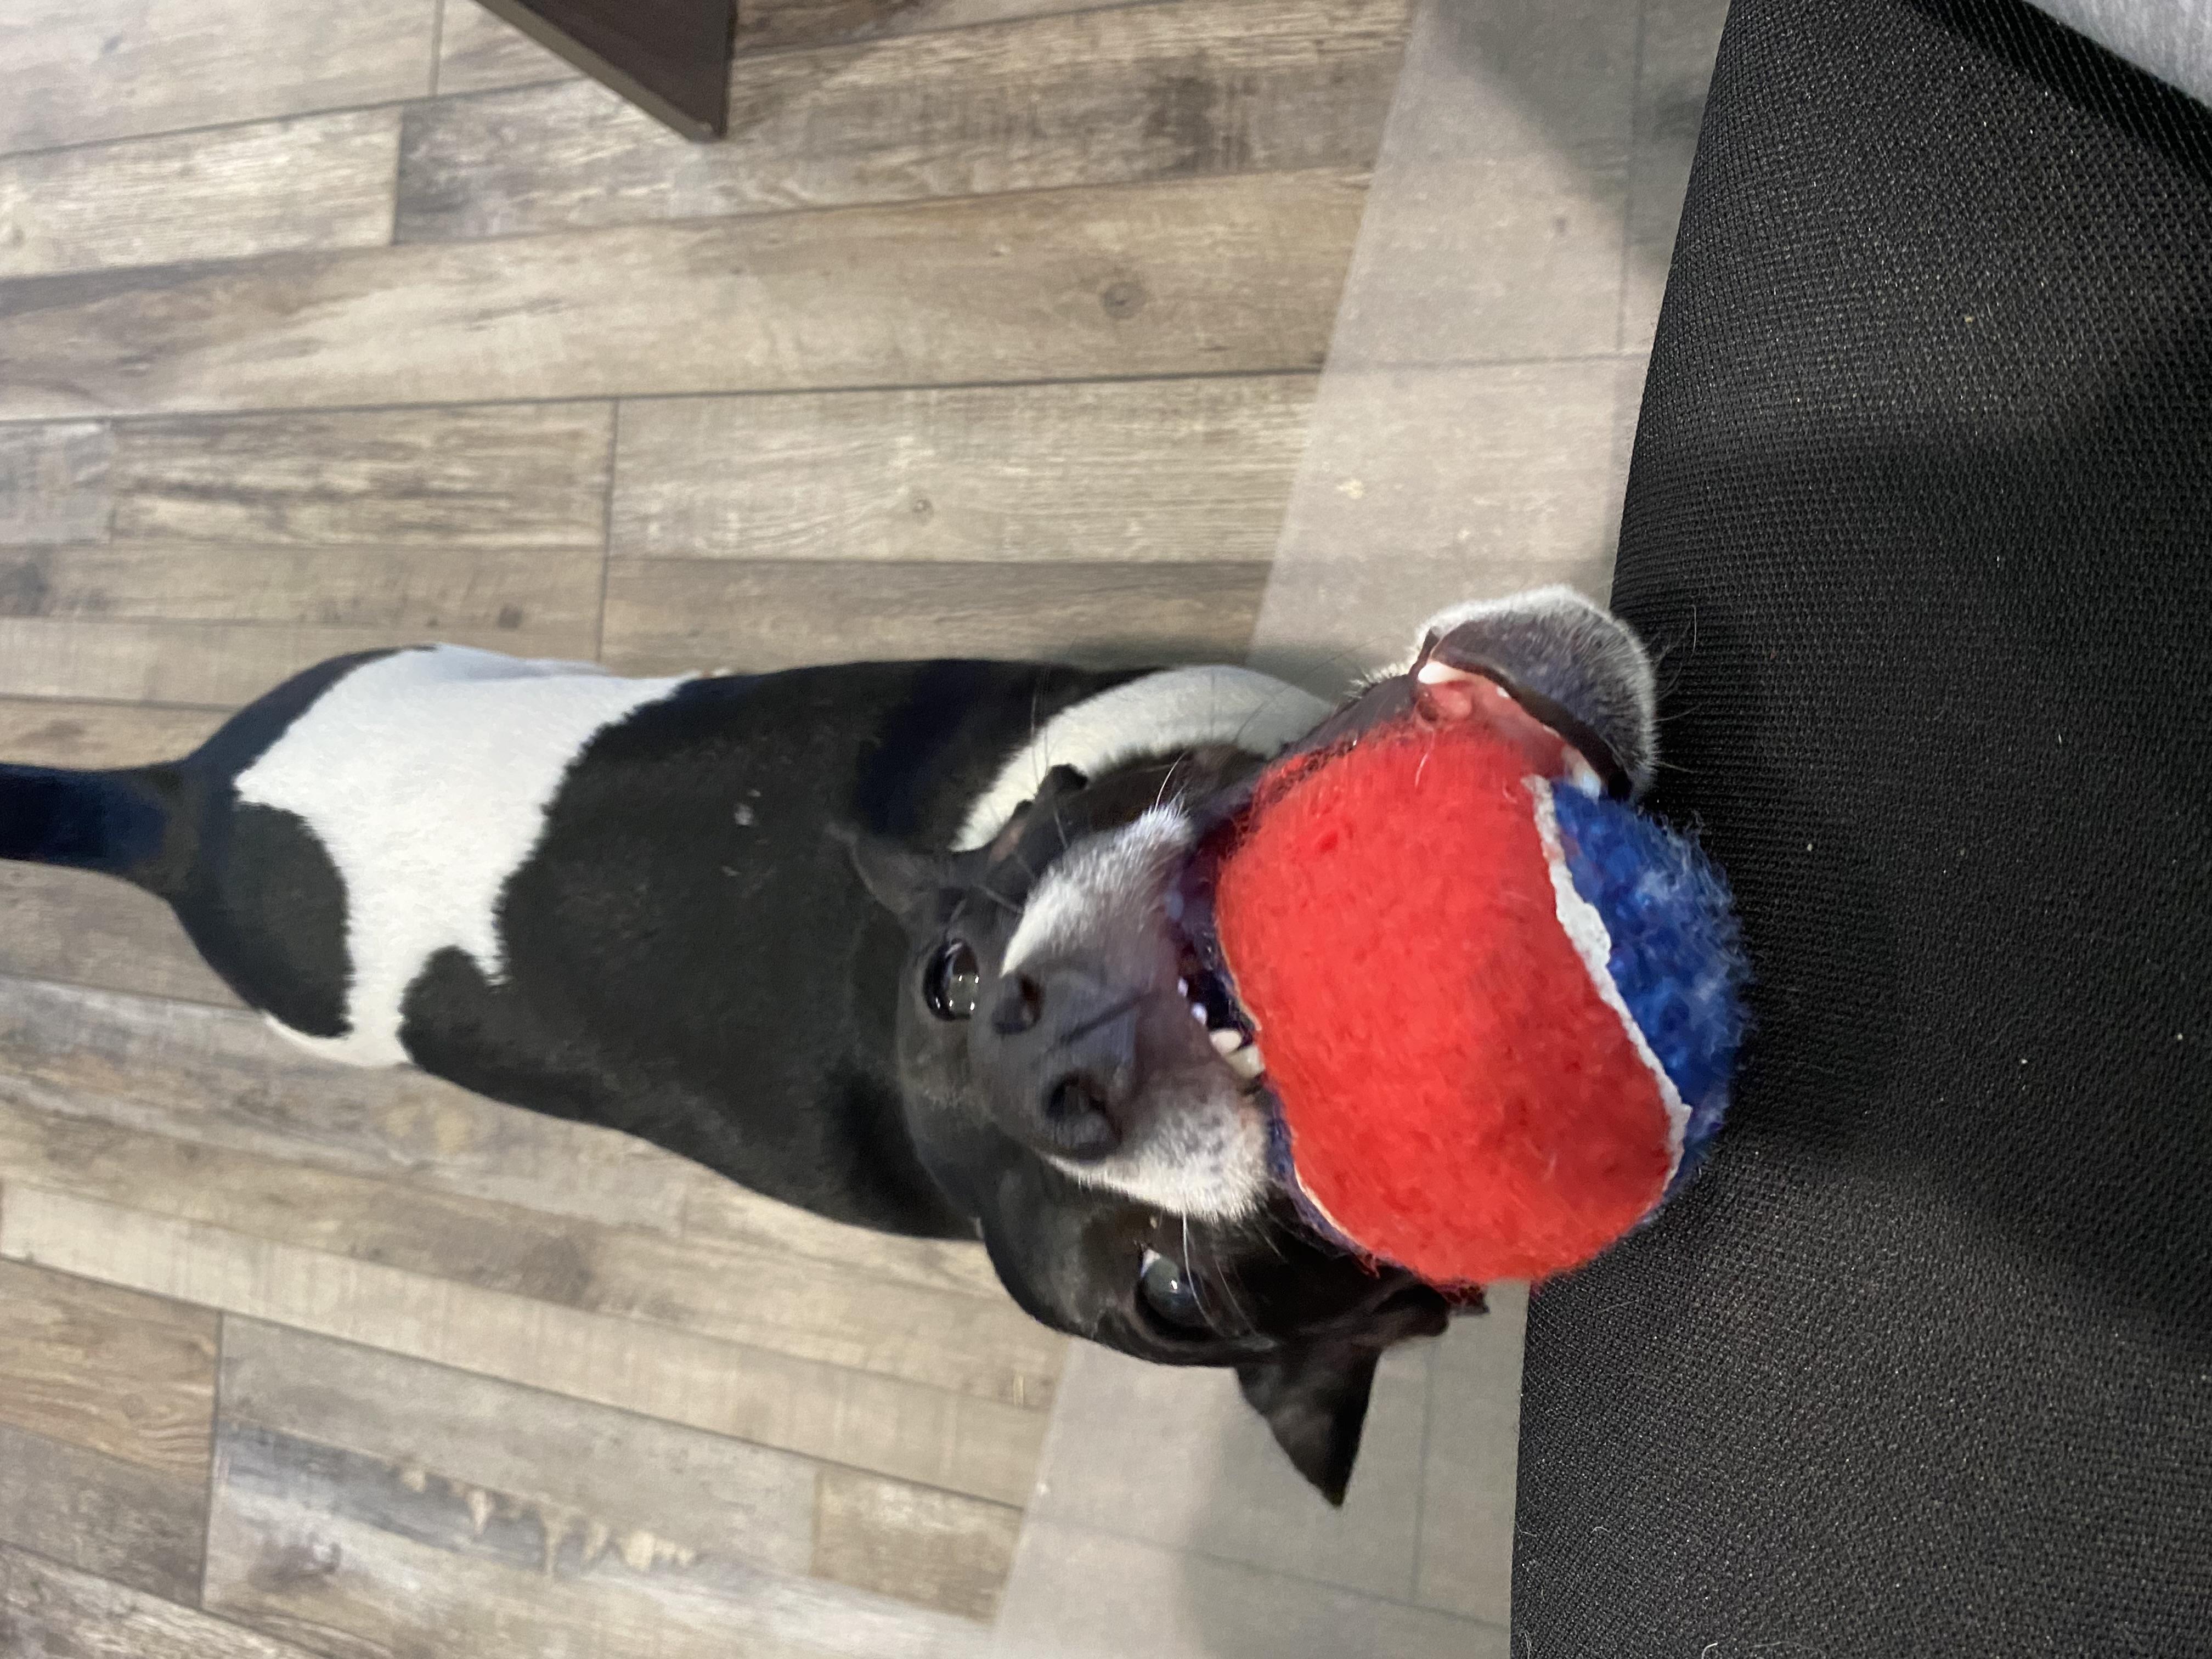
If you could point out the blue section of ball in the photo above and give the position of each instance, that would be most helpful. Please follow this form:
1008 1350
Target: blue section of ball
1677 954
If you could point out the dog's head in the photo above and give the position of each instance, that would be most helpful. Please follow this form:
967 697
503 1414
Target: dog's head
1066 1086
1073 1080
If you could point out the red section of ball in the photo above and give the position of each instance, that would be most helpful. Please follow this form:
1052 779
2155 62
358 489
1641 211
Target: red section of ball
1459 1099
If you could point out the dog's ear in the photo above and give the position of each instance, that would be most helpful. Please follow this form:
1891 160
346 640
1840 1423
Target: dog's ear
1314 1394
1060 785
910 884
1315 1398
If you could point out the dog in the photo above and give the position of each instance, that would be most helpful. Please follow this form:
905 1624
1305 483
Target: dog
888 941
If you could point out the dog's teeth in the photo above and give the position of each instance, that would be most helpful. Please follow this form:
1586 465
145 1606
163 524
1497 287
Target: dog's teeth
1225 1043
1246 1061
1198 1012
1436 671
1182 987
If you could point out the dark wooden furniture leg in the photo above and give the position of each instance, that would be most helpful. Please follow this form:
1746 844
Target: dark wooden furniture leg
671 57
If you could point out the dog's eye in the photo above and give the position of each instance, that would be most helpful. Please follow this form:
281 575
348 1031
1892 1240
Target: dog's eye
1168 1291
953 982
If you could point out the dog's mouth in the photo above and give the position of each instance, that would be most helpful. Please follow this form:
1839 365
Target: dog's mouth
1195 1135
1229 1028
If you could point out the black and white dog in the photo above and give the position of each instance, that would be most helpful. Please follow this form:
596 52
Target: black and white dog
713 912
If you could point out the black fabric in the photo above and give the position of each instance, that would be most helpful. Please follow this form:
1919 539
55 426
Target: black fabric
1921 511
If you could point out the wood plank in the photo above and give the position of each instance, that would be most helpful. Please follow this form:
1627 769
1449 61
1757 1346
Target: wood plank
1081 1594
714 1208
48 1611
1222 275
218 625
87 929
671 57
350 1557
127 1065
82 69
492 477
980 1345
85 1510
933 1547
1187 1453
125 1375
44 731
917 1433
479 50
84 1074
1470 1463
1676 43
1479 479
594 1478
322 181
54 484
770 1299
527 592
669 615
1130 470
775 25
69 1140
1114 96
219 664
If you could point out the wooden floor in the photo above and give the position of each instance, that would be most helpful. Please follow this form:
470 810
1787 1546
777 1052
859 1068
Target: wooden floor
342 325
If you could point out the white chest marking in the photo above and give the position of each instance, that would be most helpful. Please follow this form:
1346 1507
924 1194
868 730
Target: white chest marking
1176 709
426 776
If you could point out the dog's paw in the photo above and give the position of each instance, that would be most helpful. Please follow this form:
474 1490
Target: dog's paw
1569 661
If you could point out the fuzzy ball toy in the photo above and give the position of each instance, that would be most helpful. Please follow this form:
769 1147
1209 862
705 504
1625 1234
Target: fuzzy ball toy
1499 1008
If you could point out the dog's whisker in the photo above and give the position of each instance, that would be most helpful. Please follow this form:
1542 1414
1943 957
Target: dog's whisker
1167 780
1190 1266
1290 690
1244 1317
1000 899
1217 1271
1268 1227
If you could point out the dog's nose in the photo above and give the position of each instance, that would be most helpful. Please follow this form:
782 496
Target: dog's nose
1079 1123
1020 1002
1059 1059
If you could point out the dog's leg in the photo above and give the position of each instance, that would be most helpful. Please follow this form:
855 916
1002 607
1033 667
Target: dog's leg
1569 661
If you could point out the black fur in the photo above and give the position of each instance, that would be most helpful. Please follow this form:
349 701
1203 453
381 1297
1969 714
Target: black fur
279 938
255 891
723 989
110 822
